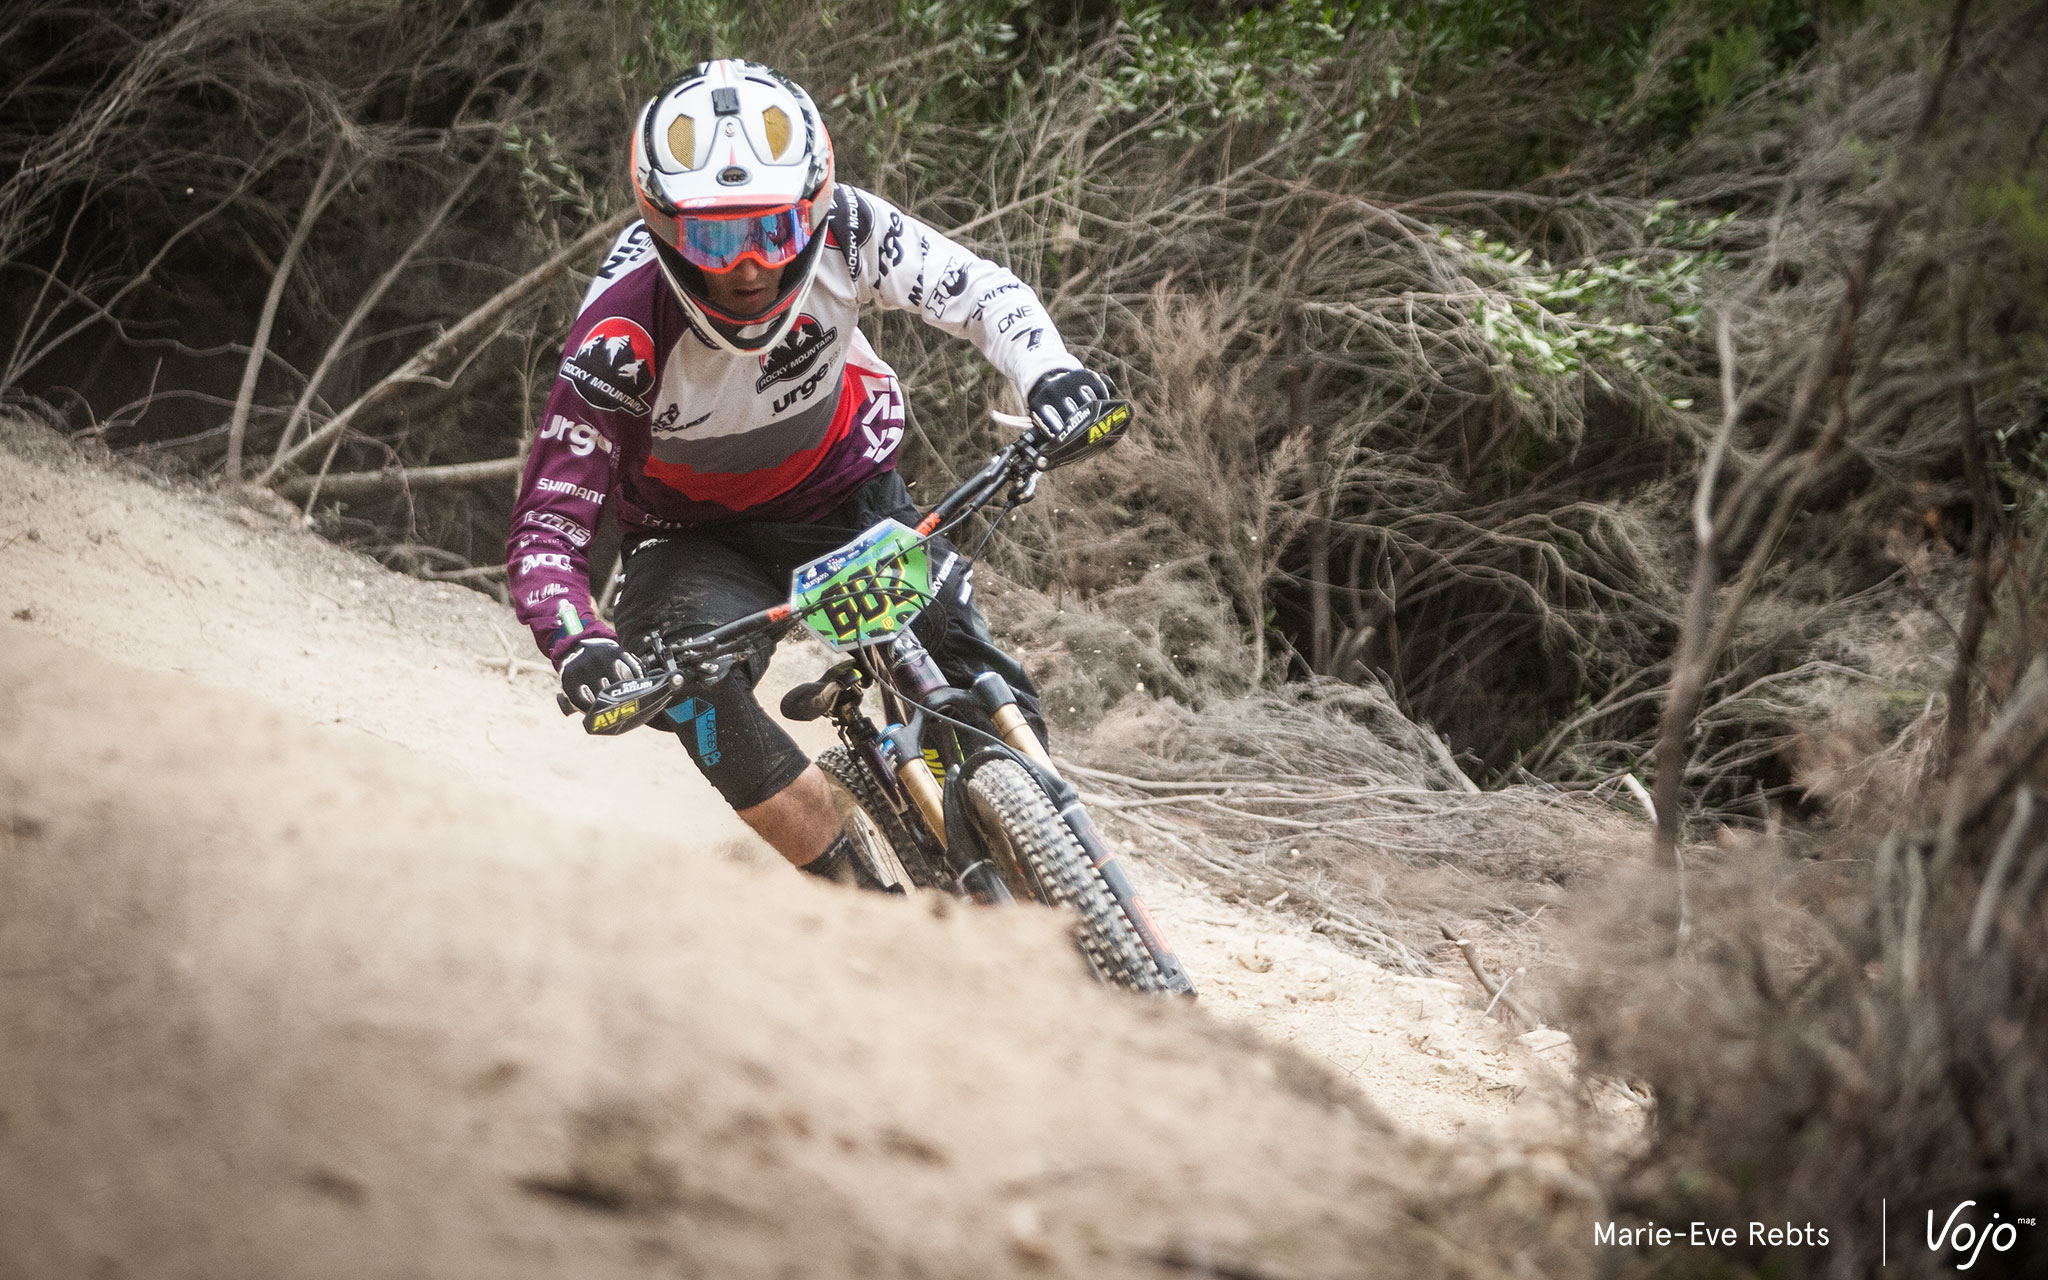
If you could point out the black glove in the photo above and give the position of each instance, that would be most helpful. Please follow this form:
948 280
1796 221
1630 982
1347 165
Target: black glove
1061 398
592 666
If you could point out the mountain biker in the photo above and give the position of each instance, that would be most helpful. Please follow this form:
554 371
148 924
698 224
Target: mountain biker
718 394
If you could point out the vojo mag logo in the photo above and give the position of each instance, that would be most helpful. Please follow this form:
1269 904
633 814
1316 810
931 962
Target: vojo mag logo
1963 1238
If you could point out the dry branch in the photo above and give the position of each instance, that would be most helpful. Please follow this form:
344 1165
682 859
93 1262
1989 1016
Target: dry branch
2011 746
316 203
399 479
472 326
1790 463
1494 986
339 343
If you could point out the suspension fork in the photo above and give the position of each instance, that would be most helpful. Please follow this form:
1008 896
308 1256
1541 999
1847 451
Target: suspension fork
893 754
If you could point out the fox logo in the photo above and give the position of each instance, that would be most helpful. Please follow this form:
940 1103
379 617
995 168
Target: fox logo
950 286
613 369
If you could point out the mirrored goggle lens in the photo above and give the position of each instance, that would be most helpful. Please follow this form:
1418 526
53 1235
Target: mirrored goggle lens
717 244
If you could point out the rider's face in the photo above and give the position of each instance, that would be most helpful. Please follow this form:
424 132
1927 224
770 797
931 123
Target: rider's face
746 290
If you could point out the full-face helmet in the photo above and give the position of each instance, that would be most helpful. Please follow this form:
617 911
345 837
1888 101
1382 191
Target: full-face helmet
731 162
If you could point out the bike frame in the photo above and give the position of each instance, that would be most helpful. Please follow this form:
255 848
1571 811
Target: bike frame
926 716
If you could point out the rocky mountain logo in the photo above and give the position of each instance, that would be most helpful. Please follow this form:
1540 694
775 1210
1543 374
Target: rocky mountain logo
614 368
793 357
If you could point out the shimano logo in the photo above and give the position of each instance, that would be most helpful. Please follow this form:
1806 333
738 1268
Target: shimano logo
1966 1240
547 485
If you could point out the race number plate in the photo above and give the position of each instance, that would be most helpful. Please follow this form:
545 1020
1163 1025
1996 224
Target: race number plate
867 591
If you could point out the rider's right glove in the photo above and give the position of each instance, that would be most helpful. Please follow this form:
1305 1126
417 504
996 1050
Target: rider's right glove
592 666
1061 399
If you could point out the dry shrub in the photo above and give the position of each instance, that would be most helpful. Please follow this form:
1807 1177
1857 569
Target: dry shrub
1326 797
1854 1019
1166 635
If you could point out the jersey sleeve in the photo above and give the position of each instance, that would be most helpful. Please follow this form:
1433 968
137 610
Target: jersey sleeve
904 264
568 478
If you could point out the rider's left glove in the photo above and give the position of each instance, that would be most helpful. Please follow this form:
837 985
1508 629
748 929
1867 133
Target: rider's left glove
592 666
1061 399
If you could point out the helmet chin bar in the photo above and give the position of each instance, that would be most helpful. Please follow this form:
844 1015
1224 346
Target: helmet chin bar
714 330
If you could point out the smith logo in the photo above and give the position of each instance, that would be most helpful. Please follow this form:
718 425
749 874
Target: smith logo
795 355
610 717
981 303
614 368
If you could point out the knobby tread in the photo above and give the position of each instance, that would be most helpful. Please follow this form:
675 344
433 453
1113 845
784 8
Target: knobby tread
1003 797
925 869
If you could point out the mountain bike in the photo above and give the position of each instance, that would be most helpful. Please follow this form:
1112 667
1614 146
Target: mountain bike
954 792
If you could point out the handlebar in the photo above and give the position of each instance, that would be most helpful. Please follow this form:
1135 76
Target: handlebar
703 660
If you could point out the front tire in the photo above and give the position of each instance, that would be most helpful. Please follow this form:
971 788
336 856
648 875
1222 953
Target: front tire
1022 829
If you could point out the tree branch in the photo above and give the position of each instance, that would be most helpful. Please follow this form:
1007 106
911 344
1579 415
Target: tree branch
452 341
353 483
316 203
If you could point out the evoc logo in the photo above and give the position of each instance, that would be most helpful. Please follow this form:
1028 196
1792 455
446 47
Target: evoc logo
1967 1241
543 560
891 254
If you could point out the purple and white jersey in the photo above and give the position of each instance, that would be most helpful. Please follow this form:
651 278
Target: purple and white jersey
675 432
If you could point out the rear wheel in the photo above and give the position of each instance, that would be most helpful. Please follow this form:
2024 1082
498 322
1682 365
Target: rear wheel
1027 838
895 847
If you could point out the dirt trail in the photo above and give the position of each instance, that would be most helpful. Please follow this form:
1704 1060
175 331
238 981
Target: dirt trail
307 965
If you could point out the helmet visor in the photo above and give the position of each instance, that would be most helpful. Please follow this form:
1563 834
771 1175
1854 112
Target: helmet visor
771 239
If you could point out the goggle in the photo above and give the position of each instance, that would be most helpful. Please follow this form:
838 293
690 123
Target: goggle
771 239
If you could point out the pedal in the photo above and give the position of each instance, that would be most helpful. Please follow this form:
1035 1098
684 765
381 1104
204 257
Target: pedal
811 700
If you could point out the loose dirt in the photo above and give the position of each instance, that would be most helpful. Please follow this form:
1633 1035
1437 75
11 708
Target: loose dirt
328 947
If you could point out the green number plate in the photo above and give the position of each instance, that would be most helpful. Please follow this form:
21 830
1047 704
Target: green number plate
867 591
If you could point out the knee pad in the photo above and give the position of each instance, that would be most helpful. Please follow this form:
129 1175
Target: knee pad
736 746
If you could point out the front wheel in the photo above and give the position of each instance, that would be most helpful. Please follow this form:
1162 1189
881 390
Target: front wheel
1020 826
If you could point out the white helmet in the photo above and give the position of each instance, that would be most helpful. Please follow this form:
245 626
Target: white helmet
731 161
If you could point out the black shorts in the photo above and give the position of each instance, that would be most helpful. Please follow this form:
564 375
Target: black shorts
684 584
